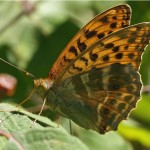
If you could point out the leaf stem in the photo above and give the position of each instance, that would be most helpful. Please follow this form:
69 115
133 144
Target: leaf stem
12 139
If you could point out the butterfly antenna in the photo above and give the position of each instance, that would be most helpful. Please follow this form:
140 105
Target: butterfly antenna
44 102
26 73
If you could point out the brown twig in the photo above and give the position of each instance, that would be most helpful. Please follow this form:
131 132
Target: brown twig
146 89
11 138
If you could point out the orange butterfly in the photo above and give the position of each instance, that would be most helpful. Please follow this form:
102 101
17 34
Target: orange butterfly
95 80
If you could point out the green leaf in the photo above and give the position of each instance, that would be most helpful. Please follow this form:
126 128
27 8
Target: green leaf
17 124
109 141
133 131
46 139
14 118
16 128
3 142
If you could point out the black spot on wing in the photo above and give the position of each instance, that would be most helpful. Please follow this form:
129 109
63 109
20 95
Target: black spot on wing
77 68
115 49
100 35
113 25
67 59
93 57
81 46
131 55
85 60
89 34
73 50
119 56
109 45
106 58
104 19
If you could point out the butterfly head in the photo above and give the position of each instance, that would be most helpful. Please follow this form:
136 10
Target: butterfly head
42 85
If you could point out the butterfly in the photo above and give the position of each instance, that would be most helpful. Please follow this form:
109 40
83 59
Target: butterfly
95 81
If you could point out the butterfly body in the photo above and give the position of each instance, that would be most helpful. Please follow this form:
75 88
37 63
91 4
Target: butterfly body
95 80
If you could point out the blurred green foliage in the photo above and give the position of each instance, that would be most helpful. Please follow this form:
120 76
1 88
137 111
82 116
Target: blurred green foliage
33 40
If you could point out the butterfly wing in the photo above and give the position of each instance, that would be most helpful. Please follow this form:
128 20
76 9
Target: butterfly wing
102 25
107 86
100 98
124 46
